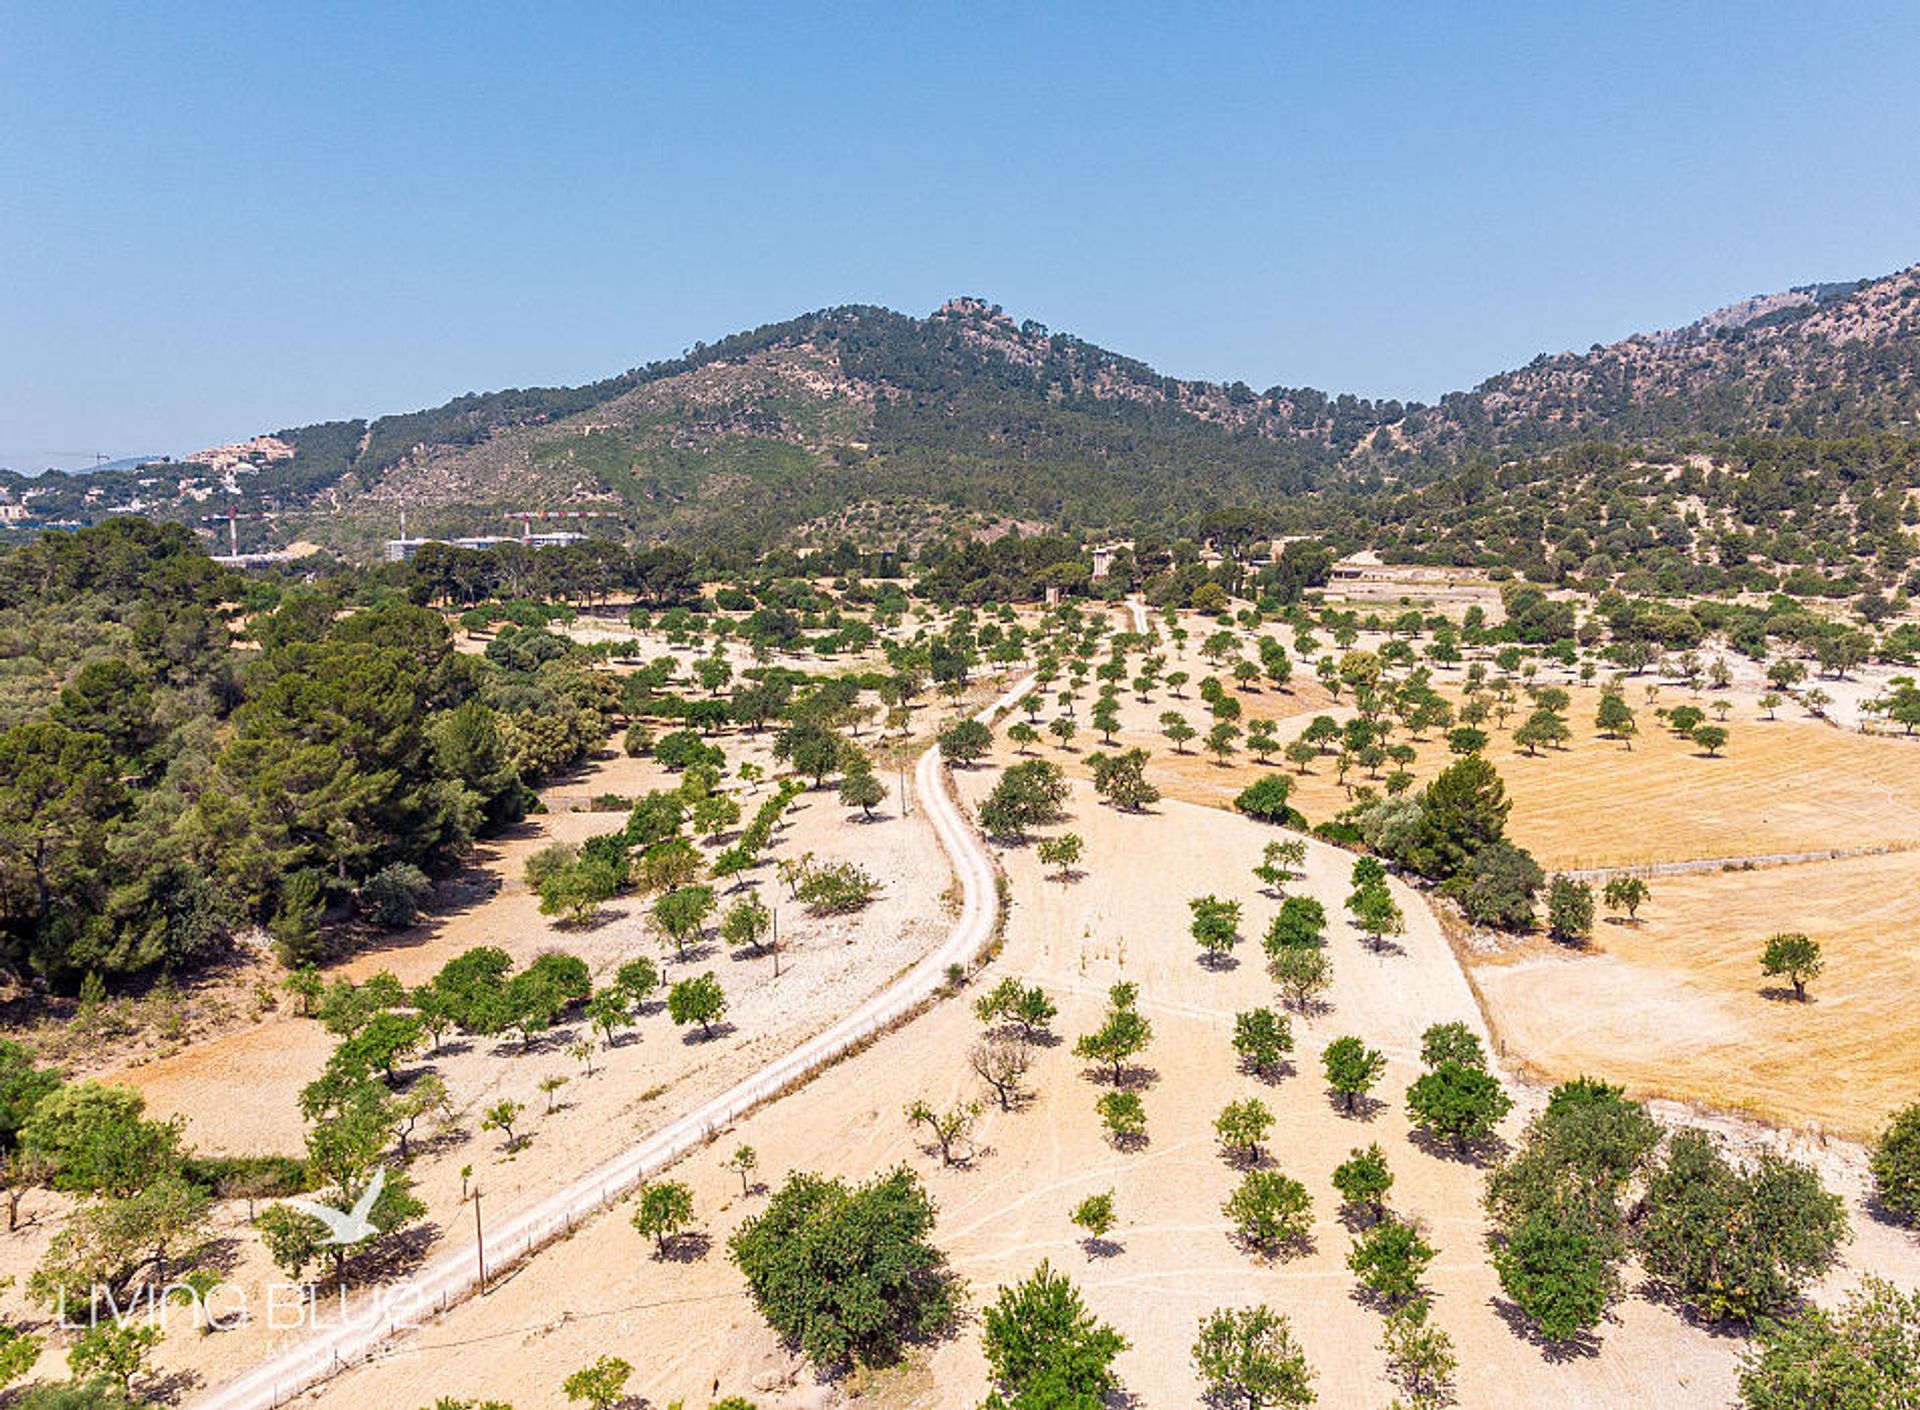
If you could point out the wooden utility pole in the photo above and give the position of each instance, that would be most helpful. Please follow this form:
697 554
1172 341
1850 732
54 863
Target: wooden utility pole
479 1243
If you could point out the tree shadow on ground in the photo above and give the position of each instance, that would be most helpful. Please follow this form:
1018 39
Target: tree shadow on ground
169 1388
689 1246
1284 1251
1308 1009
1129 1078
1661 1294
1358 1218
1364 1108
599 918
1246 1158
1583 1347
1272 1074
1880 1214
1481 1155
394 1257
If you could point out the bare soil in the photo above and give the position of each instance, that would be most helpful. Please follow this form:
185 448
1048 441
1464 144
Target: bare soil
689 1329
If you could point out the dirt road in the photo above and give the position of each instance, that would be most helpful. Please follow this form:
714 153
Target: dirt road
456 1271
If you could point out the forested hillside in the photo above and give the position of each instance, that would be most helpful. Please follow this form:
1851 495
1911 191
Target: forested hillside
1822 361
183 753
889 428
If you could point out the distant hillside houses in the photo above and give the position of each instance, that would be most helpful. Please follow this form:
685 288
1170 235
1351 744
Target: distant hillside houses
261 450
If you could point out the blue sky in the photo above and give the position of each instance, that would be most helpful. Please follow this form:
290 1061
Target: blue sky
217 220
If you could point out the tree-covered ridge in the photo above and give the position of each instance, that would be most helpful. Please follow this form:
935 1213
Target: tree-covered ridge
792 423
1814 517
1054 425
1845 361
744 443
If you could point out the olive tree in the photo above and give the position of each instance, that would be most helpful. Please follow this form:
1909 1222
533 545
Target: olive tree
1794 956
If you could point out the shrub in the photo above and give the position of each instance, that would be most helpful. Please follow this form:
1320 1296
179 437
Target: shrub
1265 799
1860 1357
1498 885
1556 1267
1569 909
394 894
1736 1244
1896 1164
837 888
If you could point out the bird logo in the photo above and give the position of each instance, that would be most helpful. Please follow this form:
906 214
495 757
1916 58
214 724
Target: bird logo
354 1226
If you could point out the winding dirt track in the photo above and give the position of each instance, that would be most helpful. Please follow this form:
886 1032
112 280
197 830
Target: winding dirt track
454 1273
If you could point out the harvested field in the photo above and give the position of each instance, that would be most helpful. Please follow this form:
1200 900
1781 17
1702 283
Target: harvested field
1676 1004
1782 785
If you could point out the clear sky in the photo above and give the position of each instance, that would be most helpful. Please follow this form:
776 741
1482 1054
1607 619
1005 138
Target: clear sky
217 220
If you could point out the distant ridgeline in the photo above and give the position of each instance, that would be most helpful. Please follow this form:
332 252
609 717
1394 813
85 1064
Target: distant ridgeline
1768 437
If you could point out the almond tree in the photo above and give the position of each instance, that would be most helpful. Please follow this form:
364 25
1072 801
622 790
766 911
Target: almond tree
1001 1060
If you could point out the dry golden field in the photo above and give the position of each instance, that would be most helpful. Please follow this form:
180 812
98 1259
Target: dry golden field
1676 1004
1782 785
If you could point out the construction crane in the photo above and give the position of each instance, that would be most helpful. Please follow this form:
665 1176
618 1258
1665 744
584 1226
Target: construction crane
233 517
527 516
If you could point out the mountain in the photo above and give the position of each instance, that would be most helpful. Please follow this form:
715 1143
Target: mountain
866 422
1829 359
856 410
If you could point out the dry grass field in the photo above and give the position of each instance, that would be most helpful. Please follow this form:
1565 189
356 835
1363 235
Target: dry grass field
1784 785
1676 1004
